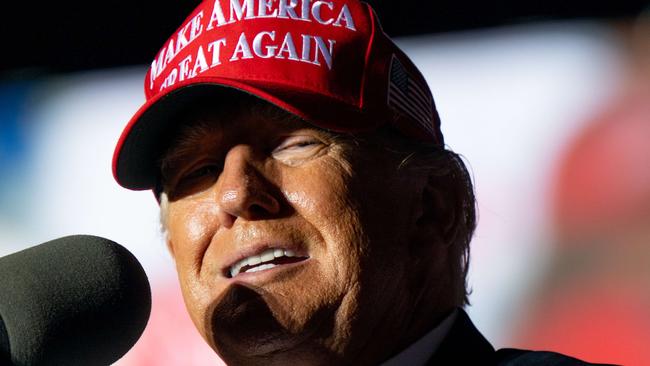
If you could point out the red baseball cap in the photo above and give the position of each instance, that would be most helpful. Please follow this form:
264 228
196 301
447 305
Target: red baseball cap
328 62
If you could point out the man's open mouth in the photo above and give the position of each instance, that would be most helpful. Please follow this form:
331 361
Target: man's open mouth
266 260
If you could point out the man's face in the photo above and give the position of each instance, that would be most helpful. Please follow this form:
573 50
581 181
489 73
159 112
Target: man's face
329 223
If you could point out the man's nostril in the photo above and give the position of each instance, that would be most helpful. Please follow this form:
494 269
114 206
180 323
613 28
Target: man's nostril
258 211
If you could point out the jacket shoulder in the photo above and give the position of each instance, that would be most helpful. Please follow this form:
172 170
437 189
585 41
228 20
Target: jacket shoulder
518 357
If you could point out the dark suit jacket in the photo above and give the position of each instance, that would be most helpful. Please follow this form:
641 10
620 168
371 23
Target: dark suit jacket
465 345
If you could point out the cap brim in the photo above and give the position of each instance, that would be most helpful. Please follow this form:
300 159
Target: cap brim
149 133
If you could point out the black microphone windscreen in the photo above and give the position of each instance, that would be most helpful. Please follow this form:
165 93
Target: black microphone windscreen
77 300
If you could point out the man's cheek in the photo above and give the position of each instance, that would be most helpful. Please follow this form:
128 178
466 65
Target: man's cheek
295 300
198 221
300 199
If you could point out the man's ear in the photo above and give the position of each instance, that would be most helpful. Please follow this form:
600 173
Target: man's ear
438 214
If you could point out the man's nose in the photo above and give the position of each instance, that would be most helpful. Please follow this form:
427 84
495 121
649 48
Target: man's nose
242 190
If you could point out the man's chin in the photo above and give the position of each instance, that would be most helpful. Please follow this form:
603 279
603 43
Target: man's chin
246 328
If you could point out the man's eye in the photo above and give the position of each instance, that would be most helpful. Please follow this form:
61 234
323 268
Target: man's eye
296 150
204 171
194 180
199 176
298 143
305 143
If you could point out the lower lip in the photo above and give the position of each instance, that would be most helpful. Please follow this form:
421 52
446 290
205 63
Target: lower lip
268 273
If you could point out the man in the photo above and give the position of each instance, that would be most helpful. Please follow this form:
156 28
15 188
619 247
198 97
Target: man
311 208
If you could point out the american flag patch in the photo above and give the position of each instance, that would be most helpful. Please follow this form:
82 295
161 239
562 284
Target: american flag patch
409 98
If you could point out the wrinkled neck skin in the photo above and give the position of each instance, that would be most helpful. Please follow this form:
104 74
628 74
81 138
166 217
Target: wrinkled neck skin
406 322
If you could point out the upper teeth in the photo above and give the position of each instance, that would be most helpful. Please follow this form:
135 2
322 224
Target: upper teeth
266 256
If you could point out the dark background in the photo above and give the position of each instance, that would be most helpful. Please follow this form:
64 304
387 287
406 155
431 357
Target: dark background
55 37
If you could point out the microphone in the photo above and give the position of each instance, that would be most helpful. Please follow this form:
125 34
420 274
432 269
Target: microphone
76 300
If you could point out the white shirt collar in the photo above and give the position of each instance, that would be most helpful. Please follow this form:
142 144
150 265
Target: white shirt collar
418 353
